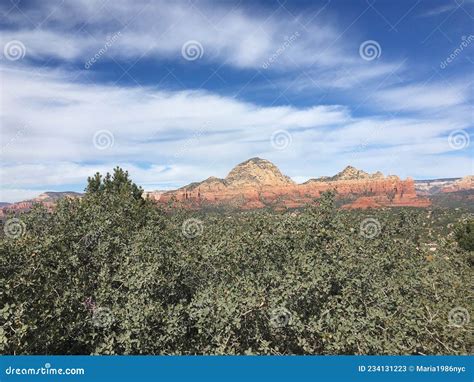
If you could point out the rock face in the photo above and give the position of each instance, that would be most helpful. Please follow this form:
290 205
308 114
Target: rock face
433 186
256 172
258 183
48 199
349 173
448 193
466 183
253 173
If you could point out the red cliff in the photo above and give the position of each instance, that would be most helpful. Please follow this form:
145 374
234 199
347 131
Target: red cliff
47 199
463 184
258 183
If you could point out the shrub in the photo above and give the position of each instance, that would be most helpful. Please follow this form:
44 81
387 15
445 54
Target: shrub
113 274
465 235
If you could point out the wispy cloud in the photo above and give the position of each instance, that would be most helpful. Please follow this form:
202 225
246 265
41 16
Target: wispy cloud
160 29
424 97
435 11
376 114
151 125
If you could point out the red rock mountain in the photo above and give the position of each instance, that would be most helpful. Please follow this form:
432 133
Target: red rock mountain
466 183
48 199
258 183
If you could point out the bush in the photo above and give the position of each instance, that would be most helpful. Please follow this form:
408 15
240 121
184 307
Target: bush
113 274
465 235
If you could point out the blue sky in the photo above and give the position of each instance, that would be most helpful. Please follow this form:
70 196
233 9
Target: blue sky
177 91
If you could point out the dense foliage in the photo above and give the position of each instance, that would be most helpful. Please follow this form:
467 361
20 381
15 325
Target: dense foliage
113 274
465 235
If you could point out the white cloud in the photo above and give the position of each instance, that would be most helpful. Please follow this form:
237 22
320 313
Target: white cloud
243 39
12 195
169 138
451 6
56 112
49 121
423 97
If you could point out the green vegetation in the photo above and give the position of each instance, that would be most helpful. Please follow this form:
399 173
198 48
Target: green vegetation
113 274
465 235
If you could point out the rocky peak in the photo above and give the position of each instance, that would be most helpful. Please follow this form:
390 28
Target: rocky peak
351 173
55 196
256 172
212 181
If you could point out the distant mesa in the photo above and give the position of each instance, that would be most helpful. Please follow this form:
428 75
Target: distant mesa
55 196
258 183
48 199
447 185
466 183
349 173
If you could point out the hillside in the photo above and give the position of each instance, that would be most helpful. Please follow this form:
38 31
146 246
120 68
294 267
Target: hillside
258 183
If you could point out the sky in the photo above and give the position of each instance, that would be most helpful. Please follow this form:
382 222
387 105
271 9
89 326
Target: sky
177 91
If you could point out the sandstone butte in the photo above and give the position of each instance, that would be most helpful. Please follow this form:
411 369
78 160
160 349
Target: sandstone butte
47 199
463 184
258 183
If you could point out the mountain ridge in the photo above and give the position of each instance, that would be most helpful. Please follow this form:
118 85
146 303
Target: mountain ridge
258 183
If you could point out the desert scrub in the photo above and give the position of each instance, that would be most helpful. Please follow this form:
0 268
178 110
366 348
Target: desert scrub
113 274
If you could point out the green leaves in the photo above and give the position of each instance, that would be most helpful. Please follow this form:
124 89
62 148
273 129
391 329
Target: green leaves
465 235
112 274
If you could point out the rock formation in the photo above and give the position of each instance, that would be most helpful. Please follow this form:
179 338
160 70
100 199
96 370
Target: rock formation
258 183
48 199
466 183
